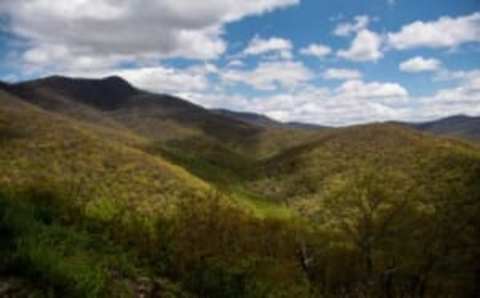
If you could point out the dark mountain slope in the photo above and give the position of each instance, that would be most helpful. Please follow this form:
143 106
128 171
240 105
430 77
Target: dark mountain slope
161 118
105 94
457 126
116 99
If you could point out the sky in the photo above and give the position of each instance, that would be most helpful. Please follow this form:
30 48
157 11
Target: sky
335 63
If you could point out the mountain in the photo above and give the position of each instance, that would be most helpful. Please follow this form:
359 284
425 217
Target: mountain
118 100
176 129
107 94
110 191
157 116
458 126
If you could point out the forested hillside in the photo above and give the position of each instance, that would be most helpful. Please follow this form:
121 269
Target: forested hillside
111 191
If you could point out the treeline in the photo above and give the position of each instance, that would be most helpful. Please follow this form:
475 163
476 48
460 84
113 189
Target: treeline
368 234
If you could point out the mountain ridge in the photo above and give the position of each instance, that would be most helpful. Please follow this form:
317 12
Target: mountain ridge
460 126
111 94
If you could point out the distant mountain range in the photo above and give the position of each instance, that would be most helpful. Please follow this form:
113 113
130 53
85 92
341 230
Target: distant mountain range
87 97
456 126
462 126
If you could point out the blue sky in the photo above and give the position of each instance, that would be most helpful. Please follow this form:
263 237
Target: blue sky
328 62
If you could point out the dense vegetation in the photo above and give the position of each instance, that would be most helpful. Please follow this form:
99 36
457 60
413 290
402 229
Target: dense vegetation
94 204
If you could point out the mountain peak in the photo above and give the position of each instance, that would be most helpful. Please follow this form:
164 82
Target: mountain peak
107 94
116 80
111 81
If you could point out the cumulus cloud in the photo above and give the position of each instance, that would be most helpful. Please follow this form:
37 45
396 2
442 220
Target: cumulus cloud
445 32
122 30
270 75
342 74
359 23
167 80
317 50
372 90
95 38
354 101
335 107
463 98
366 46
357 101
420 64
276 45
309 103
236 63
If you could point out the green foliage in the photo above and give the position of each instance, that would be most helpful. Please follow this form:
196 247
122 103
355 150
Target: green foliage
57 258
43 250
93 210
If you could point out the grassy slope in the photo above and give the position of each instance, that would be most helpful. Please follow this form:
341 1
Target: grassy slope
42 147
104 159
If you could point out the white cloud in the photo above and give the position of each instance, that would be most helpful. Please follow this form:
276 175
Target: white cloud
236 63
333 107
420 64
317 50
270 75
123 30
444 32
468 89
365 47
259 46
341 74
346 29
355 101
372 90
166 80
464 98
